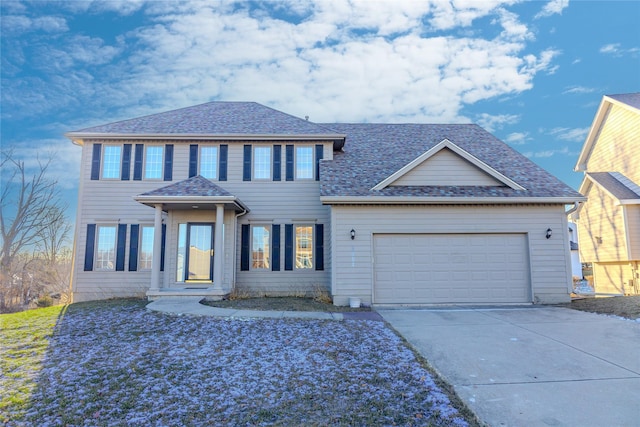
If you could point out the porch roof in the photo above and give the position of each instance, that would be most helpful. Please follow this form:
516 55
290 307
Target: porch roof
194 193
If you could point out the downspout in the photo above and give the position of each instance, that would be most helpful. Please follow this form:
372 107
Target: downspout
235 245
575 207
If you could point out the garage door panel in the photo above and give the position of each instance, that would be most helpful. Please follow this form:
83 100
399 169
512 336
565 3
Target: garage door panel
451 268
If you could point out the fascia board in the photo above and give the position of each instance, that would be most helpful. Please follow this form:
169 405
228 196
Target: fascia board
594 131
190 199
79 137
445 143
363 200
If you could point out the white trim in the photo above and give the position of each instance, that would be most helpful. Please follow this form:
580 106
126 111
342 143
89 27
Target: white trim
79 137
400 200
445 143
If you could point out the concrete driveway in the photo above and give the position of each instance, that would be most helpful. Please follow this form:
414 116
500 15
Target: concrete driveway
532 366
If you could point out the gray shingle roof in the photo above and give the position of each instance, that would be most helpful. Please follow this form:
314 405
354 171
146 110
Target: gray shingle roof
213 118
372 152
632 99
616 184
196 186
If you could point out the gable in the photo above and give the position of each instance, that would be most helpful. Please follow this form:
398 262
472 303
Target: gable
448 169
446 164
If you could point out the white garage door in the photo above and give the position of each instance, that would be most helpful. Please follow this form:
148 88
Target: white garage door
451 268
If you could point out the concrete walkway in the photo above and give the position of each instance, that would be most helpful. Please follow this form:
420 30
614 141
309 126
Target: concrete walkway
534 366
192 306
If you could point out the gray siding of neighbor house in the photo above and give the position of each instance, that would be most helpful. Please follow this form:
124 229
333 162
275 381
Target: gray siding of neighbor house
110 202
352 267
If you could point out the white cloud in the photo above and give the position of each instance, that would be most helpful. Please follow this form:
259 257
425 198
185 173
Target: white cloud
15 25
547 153
517 138
552 8
569 134
493 122
612 48
579 89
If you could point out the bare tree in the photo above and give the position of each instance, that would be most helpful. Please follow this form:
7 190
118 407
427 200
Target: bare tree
29 205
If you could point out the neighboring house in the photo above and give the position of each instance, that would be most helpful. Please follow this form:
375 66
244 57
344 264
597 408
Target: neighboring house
230 196
609 222
576 264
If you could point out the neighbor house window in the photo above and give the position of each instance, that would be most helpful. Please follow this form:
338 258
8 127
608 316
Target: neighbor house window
262 163
146 248
260 247
153 162
111 162
209 162
304 246
106 253
304 163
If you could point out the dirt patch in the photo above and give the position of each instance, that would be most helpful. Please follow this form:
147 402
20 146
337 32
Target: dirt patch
283 304
627 307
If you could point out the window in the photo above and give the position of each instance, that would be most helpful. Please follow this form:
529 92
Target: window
209 162
304 247
304 163
182 251
153 162
260 247
262 163
146 248
106 253
111 163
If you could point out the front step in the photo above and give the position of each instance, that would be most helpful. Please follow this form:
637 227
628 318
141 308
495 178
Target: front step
208 293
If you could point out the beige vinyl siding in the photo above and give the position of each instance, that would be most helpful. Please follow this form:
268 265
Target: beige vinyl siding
617 148
613 278
352 269
601 228
446 168
633 230
111 202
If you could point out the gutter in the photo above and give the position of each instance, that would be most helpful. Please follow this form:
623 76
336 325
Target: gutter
407 200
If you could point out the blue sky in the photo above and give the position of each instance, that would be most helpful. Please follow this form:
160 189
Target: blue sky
533 73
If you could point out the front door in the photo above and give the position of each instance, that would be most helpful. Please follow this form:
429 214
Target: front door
199 253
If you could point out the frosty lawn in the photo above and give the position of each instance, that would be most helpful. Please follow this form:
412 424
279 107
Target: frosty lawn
117 364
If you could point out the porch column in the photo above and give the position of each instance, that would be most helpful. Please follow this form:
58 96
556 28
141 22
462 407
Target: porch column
218 259
157 249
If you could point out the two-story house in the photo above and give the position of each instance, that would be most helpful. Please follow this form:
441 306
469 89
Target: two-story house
235 195
609 222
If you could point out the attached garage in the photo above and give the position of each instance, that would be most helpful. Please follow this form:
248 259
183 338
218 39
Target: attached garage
451 268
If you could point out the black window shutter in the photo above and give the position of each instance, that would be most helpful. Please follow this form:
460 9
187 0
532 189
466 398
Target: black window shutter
289 160
224 156
246 170
244 248
137 162
168 162
288 247
95 161
133 247
91 242
319 153
319 247
275 247
120 246
126 162
277 160
193 160
163 240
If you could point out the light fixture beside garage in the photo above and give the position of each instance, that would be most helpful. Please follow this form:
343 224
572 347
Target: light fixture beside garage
549 231
353 234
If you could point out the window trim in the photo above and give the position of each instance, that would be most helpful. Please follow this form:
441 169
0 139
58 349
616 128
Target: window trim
146 158
97 261
311 247
311 163
118 175
201 147
269 258
269 162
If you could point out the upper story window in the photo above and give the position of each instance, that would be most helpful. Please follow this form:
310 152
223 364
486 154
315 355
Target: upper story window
304 163
106 253
262 163
153 160
112 159
209 162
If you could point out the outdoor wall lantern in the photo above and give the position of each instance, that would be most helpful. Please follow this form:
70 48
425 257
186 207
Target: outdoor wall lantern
353 234
548 233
